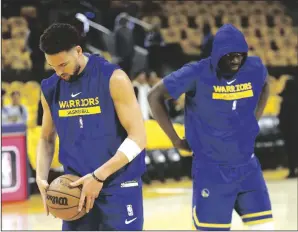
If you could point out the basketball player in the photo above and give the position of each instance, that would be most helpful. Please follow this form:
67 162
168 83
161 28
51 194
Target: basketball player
225 96
91 105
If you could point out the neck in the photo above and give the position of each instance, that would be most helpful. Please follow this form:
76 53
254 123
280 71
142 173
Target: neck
83 62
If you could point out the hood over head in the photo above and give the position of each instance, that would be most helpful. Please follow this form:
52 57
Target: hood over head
227 39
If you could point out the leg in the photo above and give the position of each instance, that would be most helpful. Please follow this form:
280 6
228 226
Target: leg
253 202
90 222
123 209
213 201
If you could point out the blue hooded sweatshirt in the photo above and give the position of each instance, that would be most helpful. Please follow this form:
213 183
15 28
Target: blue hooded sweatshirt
220 123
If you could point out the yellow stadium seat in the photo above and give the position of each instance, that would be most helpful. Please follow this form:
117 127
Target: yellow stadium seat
153 20
19 65
259 20
192 8
194 35
178 21
16 85
275 9
17 22
28 11
5 86
157 139
19 32
171 35
32 85
170 8
237 10
200 20
6 100
203 9
189 47
233 19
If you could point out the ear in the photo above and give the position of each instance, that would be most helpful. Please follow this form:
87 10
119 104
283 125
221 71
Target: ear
79 50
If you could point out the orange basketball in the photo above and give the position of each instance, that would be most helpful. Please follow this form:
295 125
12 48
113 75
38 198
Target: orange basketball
63 200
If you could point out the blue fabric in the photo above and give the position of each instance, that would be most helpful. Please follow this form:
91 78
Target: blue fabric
87 123
240 187
220 123
122 210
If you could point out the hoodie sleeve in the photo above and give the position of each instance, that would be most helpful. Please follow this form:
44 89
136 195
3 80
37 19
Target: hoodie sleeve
181 81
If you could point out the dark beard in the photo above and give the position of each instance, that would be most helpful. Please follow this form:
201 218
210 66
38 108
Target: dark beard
75 76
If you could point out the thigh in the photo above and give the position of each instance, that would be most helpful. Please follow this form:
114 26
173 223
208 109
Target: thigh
253 202
213 202
90 222
122 209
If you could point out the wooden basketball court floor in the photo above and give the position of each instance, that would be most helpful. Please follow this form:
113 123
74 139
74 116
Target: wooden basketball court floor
167 206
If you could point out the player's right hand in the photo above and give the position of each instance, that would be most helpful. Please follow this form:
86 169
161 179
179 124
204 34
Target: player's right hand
182 144
43 185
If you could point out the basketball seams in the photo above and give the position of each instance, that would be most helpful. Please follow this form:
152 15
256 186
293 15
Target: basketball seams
63 208
63 177
64 190
50 190
74 216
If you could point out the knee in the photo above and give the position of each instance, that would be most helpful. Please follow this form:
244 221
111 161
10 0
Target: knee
263 226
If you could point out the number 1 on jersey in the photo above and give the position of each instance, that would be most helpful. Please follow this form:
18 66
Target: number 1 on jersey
234 105
81 122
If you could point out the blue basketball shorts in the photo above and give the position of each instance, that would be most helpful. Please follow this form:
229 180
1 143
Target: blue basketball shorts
218 189
118 209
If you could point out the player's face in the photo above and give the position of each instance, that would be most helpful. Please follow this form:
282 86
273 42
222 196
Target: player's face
231 62
66 64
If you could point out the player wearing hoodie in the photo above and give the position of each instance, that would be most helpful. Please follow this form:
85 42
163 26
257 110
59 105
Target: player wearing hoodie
225 95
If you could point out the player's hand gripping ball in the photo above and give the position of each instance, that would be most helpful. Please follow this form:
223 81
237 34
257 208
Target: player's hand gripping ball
63 200
90 191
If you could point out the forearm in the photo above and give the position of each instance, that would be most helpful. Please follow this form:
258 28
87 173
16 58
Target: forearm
45 153
160 114
119 160
262 101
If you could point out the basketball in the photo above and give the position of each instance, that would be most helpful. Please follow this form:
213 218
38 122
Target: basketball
63 200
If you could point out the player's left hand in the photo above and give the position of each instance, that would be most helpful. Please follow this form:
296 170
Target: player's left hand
91 190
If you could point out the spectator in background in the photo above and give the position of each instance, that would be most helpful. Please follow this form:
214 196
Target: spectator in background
153 79
141 89
4 109
16 112
124 43
153 43
206 46
289 124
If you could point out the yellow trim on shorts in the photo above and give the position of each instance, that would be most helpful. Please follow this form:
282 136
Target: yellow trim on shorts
208 225
251 215
257 222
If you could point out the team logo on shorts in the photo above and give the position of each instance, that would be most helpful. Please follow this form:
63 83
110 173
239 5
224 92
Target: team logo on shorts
205 193
129 210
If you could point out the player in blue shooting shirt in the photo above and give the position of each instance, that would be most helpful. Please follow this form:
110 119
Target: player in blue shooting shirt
225 95
90 104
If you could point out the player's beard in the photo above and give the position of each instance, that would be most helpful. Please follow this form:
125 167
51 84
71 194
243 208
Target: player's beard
226 69
74 76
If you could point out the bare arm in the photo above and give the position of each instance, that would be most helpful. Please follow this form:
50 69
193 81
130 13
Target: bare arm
262 101
130 116
46 146
156 99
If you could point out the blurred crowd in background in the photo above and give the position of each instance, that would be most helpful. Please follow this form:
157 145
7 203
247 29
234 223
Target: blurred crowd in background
149 39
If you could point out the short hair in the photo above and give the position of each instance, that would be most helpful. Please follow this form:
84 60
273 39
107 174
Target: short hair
13 93
59 37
